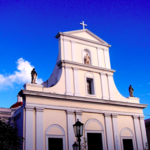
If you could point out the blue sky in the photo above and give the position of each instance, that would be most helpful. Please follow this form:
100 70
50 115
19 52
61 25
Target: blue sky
28 28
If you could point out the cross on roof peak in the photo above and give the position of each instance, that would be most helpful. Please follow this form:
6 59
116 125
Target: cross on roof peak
83 24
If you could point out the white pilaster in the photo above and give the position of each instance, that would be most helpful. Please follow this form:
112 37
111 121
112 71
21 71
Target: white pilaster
39 129
109 135
60 49
137 133
107 59
65 49
70 122
104 86
76 82
73 48
115 131
68 80
100 57
111 88
29 128
79 115
144 136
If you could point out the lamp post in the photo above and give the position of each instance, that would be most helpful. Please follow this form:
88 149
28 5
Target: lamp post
75 146
78 131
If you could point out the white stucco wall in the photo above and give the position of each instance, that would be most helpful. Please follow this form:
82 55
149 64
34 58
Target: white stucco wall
72 50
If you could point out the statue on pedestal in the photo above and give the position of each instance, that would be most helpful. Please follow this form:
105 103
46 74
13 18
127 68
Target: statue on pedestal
33 76
87 59
131 91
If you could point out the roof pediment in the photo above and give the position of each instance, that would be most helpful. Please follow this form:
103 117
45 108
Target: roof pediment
84 34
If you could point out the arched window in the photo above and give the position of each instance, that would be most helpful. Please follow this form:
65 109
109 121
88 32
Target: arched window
55 137
127 139
94 133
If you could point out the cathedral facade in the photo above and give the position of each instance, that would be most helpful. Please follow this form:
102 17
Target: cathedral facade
80 87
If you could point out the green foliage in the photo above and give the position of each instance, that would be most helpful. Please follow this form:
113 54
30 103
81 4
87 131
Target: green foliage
9 140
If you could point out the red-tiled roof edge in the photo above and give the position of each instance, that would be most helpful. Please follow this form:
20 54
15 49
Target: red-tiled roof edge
17 104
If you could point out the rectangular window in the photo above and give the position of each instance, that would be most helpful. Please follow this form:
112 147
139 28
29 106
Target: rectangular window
90 86
94 141
127 144
55 143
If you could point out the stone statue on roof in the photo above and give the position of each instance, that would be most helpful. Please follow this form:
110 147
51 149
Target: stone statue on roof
131 91
87 59
33 76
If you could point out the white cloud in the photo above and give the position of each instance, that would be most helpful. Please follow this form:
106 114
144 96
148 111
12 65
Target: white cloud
21 76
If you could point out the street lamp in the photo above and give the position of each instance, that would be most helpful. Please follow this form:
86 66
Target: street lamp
78 130
75 146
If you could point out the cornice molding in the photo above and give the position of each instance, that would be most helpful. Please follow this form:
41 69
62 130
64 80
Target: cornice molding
5 113
85 110
83 39
64 62
80 99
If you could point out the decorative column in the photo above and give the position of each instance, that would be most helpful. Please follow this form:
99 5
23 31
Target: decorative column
115 131
109 136
68 80
70 122
29 127
100 57
137 133
107 59
76 82
104 86
65 49
39 128
144 136
73 48
111 88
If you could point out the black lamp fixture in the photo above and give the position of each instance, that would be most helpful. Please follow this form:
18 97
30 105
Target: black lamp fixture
75 146
78 131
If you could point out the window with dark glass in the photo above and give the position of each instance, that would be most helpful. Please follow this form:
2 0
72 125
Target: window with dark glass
55 143
90 86
94 141
127 144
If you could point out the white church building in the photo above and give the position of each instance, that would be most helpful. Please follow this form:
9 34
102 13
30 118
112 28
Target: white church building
80 87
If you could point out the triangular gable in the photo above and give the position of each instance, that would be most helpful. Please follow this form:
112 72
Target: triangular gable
86 34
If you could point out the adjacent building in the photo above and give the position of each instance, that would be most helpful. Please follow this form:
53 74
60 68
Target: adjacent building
147 124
